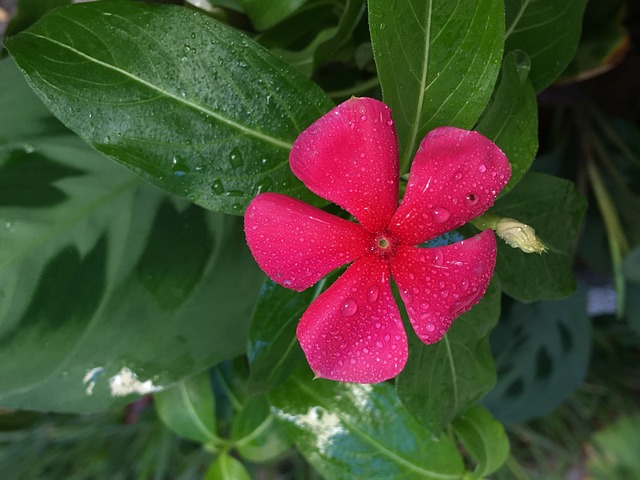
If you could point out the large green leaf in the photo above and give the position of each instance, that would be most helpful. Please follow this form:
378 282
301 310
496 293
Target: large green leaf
437 61
442 380
511 118
107 286
554 208
542 354
548 31
349 431
188 103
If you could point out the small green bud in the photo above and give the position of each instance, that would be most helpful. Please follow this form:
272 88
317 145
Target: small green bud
519 235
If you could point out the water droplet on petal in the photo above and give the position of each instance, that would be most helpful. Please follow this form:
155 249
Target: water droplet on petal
440 214
363 118
407 297
458 176
438 258
389 122
464 285
349 307
482 168
471 199
430 327
373 293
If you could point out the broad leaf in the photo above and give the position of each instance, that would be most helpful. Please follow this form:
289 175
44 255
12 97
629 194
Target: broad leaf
484 438
107 286
188 409
511 118
554 208
345 431
201 111
442 380
437 61
542 354
548 31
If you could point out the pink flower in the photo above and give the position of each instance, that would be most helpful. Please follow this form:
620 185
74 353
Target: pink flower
353 331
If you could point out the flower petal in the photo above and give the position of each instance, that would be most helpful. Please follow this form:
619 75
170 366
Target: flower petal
439 284
353 331
350 156
456 176
297 244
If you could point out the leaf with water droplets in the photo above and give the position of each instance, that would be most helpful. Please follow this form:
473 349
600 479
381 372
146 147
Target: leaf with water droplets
183 116
442 380
415 43
345 431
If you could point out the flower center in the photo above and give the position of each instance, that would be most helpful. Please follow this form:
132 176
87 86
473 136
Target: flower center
383 244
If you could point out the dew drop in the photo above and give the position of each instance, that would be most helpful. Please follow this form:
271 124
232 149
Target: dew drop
363 118
407 297
440 214
235 158
482 168
389 122
349 307
373 294
438 258
464 285
430 327
458 176
217 187
471 199
425 306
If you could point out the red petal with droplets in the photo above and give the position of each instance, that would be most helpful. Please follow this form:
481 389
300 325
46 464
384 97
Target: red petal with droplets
297 244
456 176
353 331
439 284
350 156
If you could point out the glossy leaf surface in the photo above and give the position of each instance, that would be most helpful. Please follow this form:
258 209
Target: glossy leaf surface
554 208
188 409
205 113
107 286
227 468
542 351
511 118
266 14
442 380
345 431
548 31
415 43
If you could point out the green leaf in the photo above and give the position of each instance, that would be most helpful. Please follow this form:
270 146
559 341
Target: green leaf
227 468
511 118
349 20
266 14
554 208
548 31
256 434
484 438
274 351
442 380
351 431
188 409
542 354
437 61
111 287
205 113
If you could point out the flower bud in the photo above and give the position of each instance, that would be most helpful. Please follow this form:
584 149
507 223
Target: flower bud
519 235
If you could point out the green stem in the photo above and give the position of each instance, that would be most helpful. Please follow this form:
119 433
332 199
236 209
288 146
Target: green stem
516 469
618 245
485 221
